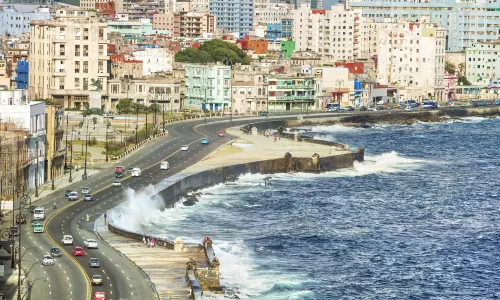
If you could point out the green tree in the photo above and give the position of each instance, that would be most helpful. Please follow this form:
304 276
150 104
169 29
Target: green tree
214 51
463 80
124 106
450 68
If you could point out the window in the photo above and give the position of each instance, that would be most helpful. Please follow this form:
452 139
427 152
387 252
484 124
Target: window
85 84
85 67
114 88
101 50
77 50
85 50
77 67
61 83
77 83
100 66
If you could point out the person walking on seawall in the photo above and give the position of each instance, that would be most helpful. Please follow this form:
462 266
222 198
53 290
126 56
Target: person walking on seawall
144 238
152 243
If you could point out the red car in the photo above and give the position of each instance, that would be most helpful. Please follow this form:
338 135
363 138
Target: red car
78 251
220 133
99 296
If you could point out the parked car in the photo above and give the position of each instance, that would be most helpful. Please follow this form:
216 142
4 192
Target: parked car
96 279
184 148
350 108
363 108
55 252
220 133
88 197
47 260
14 231
263 113
372 108
116 183
90 243
20 220
380 107
204 141
78 251
94 263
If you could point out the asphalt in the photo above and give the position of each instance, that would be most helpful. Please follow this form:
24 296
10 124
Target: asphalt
68 278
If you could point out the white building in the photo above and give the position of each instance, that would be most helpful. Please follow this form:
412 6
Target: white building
155 60
208 87
29 116
483 63
330 32
271 14
66 54
332 86
15 19
411 55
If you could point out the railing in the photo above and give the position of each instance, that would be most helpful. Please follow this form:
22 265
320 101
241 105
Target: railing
162 242
294 97
295 86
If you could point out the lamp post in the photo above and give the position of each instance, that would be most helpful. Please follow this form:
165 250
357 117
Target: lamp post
146 109
163 116
339 82
23 213
107 125
36 170
71 161
136 121
84 176
205 110
66 156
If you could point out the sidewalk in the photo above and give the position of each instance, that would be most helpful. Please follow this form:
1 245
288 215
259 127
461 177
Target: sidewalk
8 283
165 268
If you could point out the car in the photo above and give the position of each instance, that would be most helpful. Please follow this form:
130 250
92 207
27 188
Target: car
164 165
73 196
380 107
450 104
88 197
204 141
94 263
409 109
263 113
497 102
220 133
332 109
96 279
86 190
78 251
363 108
99 296
117 183
47 260
136 172
372 108
66 194
184 148
36 223
67 240
20 220
90 243
55 252
14 231
129 170
350 108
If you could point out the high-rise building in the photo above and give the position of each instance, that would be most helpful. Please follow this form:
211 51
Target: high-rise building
482 62
467 22
233 15
315 4
66 55
15 19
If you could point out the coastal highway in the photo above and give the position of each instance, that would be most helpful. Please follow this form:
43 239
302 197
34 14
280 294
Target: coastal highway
122 279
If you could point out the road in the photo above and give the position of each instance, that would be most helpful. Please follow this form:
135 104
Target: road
69 277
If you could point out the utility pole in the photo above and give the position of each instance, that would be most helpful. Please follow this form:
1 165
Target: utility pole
136 122
66 156
36 170
71 162
155 121
52 164
146 108
107 141
163 116
86 145
205 110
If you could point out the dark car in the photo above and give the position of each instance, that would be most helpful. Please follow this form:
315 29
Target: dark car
350 108
14 231
66 194
55 252
263 113
363 108
88 197
380 107
129 170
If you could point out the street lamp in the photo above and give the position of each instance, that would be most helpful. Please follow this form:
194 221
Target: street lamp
84 176
339 82
107 126
71 161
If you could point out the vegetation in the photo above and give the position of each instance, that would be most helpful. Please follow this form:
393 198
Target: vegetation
92 111
214 51
47 101
463 80
450 68
124 106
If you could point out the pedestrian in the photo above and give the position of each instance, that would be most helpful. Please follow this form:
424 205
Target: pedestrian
152 243
105 218
144 238
149 243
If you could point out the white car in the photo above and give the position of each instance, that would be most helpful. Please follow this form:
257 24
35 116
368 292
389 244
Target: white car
136 172
117 183
47 260
184 148
91 243
73 196
86 190
67 240
164 165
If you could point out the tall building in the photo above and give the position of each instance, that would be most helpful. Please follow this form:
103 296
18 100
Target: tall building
314 4
467 22
15 19
482 62
56 150
411 55
208 87
193 25
291 93
66 54
326 32
233 15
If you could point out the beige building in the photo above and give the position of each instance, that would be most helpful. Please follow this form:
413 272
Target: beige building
411 55
147 91
163 22
249 87
56 151
66 54
193 24
121 68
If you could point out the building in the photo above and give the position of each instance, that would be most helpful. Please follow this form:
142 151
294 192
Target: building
249 87
76 55
467 22
314 4
208 87
326 32
291 93
332 86
271 14
164 22
146 91
15 19
200 6
139 27
483 62
56 150
193 25
155 60
30 118
376 94
234 16
411 55
284 30
287 48
122 68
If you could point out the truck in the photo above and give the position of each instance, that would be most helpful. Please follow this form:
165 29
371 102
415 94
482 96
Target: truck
119 172
39 213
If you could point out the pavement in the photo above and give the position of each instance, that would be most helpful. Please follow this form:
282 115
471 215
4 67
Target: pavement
8 283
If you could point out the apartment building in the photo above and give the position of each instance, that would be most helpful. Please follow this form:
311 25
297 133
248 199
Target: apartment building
193 25
291 93
155 60
467 22
65 55
249 87
208 87
271 14
56 150
412 56
200 6
314 4
483 63
15 19
326 32
164 22
233 16
124 68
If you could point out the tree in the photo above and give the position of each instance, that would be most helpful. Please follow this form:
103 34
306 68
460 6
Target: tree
124 106
450 68
214 51
463 80
96 83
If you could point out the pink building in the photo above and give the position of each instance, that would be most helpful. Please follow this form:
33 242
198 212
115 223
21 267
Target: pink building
450 83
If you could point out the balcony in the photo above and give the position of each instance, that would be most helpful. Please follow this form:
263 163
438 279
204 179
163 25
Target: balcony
60 72
295 86
295 97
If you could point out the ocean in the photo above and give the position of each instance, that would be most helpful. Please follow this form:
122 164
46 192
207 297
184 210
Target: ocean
417 220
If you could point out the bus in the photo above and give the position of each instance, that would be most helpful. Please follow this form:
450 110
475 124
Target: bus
38 228
119 171
39 213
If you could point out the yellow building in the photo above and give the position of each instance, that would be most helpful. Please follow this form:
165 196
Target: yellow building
56 151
